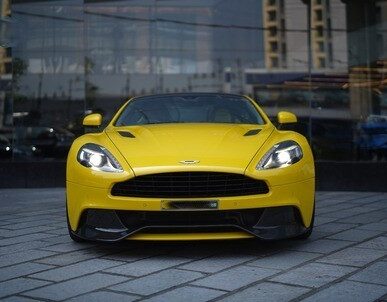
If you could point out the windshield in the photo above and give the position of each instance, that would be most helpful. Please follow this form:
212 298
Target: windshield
189 108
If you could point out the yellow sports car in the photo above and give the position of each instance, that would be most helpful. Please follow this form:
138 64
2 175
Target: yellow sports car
190 166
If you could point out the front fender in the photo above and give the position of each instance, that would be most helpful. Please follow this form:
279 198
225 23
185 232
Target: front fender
300 171
82 175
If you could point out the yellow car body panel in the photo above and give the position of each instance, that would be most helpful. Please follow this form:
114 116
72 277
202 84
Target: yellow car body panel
214 144
299 194
216 147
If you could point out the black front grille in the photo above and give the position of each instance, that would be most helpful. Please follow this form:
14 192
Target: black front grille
190 185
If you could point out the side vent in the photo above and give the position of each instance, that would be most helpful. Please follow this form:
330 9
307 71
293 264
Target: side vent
252 132
126 134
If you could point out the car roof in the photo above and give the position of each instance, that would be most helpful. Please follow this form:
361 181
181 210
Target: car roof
189 94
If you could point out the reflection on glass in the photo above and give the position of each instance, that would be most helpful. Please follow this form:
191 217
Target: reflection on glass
49 88
371 142
80 56
5 83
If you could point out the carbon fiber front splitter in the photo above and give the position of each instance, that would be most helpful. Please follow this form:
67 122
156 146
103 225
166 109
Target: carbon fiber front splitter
265 223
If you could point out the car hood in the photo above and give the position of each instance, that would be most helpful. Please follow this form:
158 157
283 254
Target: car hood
164 147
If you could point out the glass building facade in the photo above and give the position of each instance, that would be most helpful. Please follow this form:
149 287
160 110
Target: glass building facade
324 60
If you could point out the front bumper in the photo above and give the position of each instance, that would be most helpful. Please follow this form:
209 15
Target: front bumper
286 211
265 223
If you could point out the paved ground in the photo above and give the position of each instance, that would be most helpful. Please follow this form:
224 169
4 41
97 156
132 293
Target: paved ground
345 260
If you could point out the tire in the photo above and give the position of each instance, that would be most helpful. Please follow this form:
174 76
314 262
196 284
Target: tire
73 236
308 231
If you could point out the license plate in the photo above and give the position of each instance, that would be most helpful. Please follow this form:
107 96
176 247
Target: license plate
189 205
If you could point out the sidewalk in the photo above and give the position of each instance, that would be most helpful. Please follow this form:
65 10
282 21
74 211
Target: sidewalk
344 260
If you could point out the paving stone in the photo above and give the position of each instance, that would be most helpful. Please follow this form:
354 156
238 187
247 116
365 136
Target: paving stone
383 210
319 220
131 254
59 239
19 285
104 296
147 266
156 282
375 273
25 238
348 291
381 205
60 231
69 247
74 287
10 259
23 219
370 199
217 263
196 250
355 235
324 209
284 259
235 278
24 246
75 270
187 294
353 256
29 224
378 243
317 235
72 257
254 248
375 226
4 222
313 274
344 213
267 292
364 218
18 299
323 246
38 229
22 269
334 227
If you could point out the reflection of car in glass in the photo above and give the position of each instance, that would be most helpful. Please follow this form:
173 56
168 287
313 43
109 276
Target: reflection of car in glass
190 167
5 147
43 141
372 138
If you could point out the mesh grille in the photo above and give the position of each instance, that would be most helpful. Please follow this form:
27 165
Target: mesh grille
190 185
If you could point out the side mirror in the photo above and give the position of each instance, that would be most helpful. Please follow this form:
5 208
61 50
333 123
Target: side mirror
285 117
92 120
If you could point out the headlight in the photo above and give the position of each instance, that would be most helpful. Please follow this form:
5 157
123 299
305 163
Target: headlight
98 158
281 155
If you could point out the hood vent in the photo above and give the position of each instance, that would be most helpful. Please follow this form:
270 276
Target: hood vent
126 134
252 132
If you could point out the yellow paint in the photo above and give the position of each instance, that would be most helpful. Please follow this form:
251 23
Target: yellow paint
217 147
191 236
94 120
285 117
